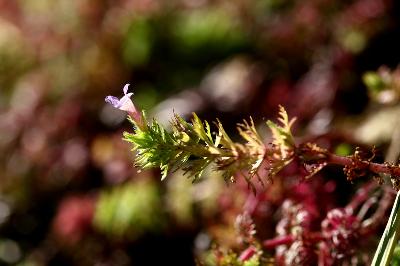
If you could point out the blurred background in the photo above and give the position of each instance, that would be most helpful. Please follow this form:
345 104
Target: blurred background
69 193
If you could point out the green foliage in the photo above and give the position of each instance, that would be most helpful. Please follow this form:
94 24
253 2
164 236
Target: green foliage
343 149
282 135
202 29
229 258
283 142
193 146
373 82
138 43
129 210
383 85
15 56
254 261
184 203
396 256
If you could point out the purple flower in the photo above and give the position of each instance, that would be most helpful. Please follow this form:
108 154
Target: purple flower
125 104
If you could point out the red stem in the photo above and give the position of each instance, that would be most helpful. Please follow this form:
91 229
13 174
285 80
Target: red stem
373 167
248 253
288 239
277 241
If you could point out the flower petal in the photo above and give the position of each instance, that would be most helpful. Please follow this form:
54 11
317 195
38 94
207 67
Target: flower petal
114 101
127 105
126 87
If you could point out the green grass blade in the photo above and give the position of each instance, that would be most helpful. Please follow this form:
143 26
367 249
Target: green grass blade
390 237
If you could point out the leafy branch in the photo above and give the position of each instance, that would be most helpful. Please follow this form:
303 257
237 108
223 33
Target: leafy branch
193 146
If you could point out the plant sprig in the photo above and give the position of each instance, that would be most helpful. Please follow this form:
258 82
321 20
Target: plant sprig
193 146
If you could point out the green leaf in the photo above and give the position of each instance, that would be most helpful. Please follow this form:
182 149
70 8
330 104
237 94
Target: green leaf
390 236
282 135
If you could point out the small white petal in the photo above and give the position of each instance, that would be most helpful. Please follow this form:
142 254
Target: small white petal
125 89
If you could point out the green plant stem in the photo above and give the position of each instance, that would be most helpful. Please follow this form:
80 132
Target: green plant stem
390 236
